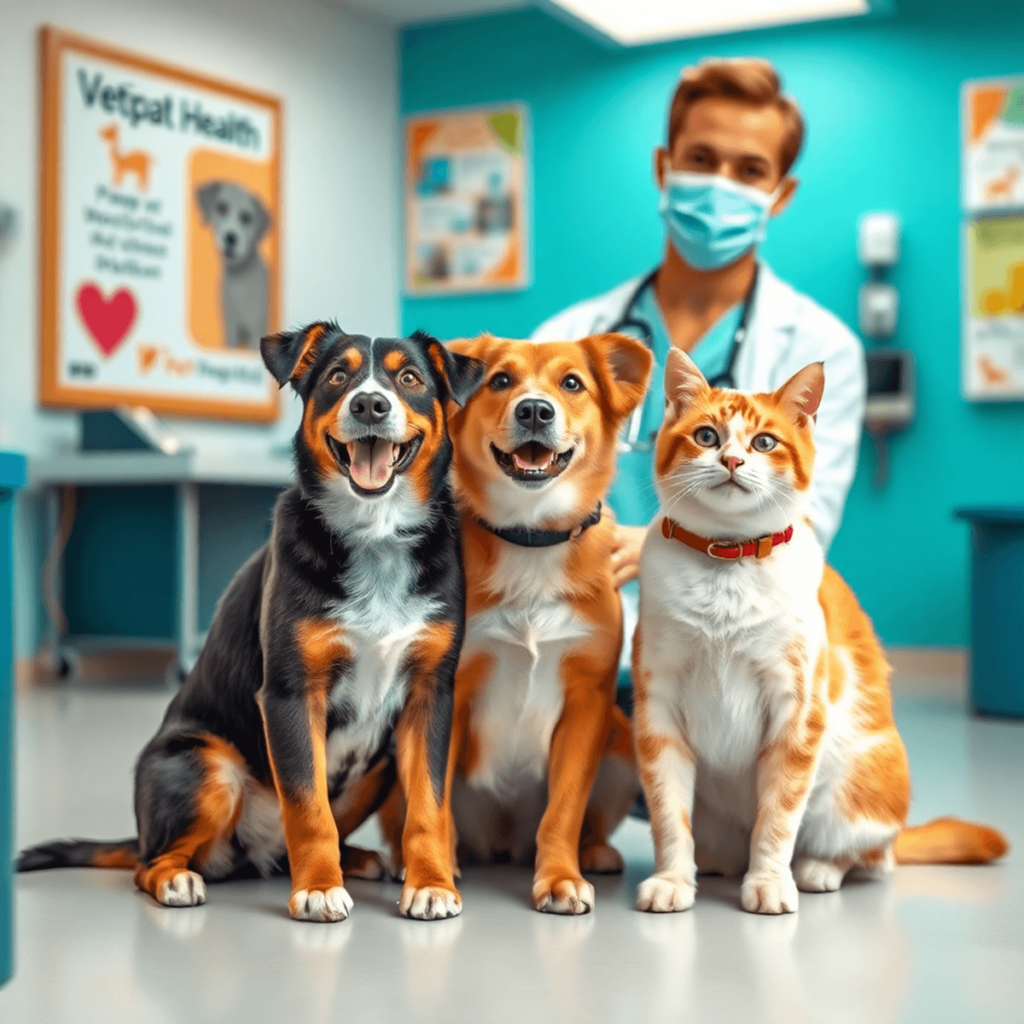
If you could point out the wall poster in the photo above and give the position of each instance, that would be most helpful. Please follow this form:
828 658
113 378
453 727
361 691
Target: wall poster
466 200
160 217
993 145
993 331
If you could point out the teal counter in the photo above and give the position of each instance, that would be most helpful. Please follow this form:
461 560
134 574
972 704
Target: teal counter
12 476
997 609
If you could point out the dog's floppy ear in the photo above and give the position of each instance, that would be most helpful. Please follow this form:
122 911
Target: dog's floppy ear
262 218
289 355
461 374
622 366
206 197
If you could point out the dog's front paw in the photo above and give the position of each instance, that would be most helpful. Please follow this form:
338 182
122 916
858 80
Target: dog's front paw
431 903
185 889
563 895
601 859
661 895
769 893
330 904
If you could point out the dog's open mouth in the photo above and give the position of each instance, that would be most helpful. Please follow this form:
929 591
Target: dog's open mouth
532 462
371 463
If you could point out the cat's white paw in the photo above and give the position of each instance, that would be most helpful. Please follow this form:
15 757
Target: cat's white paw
769 893
813 875
664 895
332 904
185 889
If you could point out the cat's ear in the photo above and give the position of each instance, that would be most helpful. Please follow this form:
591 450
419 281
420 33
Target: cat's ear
684 383
801 395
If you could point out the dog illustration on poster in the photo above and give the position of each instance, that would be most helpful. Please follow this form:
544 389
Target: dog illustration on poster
135 162
238 220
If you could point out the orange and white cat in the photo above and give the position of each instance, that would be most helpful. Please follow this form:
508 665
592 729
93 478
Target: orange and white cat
763 722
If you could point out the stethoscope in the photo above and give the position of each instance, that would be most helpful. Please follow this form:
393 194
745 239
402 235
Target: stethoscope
630 323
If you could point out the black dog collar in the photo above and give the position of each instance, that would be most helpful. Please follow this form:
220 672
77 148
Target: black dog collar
526 538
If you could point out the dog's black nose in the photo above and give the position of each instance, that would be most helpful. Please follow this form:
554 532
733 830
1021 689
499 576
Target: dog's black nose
230 239
369 407
534 413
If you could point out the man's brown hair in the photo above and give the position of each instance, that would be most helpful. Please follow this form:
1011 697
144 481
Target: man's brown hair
749 79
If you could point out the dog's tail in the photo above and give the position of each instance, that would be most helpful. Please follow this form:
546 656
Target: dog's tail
949 841
79 853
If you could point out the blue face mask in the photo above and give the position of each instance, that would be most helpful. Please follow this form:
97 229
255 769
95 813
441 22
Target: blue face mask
712 221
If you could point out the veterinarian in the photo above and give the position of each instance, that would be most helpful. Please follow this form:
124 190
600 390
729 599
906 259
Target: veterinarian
732 139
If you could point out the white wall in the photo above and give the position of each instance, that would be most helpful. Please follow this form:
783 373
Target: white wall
337 76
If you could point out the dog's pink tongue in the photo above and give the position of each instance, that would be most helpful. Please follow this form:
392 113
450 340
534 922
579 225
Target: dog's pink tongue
532 456
371 463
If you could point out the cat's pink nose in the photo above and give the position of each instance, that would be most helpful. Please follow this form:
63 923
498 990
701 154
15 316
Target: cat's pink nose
731 462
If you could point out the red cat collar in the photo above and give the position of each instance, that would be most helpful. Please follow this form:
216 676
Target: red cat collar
759 547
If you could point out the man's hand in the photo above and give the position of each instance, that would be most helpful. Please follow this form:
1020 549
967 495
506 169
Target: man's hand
626 553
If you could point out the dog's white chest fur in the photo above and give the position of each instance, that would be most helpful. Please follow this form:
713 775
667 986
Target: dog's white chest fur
526 635
381 616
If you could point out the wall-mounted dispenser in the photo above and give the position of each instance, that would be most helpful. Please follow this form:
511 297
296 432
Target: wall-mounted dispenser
891 399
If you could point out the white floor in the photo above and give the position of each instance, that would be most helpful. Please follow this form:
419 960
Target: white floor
935 944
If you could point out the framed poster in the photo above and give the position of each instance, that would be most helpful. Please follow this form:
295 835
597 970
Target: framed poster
160 218
993 303
466 202
993 145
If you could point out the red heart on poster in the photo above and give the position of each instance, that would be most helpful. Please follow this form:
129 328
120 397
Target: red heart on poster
108 320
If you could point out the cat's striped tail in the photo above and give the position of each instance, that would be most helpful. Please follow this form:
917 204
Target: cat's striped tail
949 841
79 853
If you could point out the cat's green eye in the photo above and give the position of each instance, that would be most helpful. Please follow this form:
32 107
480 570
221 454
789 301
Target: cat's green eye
706 437
764 443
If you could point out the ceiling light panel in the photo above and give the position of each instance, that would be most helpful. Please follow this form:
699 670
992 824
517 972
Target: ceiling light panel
635 22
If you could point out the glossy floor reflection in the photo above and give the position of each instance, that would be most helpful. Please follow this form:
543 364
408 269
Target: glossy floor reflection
935 944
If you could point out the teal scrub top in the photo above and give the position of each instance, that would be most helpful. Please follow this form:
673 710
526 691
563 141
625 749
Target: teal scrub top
632 496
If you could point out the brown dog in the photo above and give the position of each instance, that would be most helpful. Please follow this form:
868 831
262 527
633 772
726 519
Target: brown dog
534 691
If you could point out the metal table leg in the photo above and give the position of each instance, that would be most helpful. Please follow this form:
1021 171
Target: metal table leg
187 500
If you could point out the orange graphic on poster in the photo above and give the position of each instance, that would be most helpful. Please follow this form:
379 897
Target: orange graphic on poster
232 251
997 301
991 373
135 161
1002 187
147 356
986 103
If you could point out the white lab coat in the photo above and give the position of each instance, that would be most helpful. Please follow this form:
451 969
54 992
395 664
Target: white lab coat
786 331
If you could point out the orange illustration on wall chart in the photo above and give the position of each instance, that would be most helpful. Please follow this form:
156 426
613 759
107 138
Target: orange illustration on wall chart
136 161
1006 300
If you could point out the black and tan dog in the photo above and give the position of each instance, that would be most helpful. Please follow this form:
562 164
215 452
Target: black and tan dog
331 658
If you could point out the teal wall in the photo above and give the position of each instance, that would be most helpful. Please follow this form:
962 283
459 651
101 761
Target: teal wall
881 97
